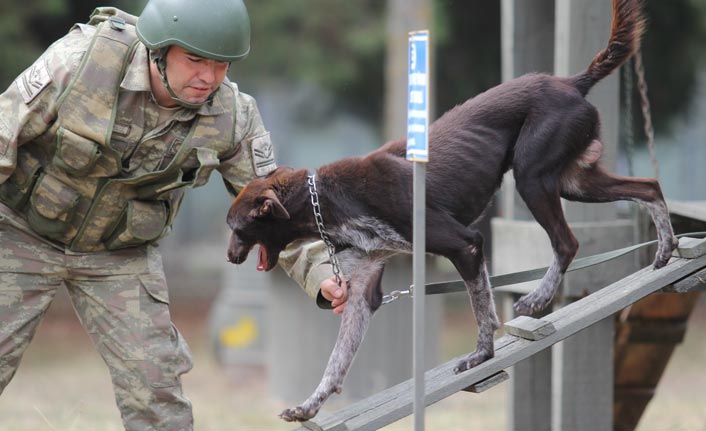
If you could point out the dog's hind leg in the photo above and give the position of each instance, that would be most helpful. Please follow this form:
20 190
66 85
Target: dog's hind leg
542 198
464 248
594 184
364 297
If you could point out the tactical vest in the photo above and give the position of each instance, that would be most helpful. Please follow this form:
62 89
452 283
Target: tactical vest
74 190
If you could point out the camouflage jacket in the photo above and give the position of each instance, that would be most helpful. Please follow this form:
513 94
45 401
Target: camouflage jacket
91 163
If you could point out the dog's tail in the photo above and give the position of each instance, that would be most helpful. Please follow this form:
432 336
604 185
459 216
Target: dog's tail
625 33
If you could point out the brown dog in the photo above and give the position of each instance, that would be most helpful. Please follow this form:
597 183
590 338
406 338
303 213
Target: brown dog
539 125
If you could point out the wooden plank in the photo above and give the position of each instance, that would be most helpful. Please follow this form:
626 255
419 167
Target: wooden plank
395 403
690 248
529 328
695 282
338 421
313 426
488 383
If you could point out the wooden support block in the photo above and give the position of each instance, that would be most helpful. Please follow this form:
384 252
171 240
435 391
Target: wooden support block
629 405
690 248
529 328
488 383
654 331
661 306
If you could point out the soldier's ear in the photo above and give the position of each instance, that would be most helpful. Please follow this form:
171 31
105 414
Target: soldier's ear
269 205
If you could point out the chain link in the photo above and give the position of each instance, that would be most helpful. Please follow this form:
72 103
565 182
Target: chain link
311 179
397 294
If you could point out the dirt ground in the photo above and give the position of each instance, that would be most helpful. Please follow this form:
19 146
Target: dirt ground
63 385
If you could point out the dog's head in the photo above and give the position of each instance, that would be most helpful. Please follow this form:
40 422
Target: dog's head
257 216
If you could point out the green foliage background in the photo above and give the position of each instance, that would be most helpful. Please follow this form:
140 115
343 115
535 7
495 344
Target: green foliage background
340 45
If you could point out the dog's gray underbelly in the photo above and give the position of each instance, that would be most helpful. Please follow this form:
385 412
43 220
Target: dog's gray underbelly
370 234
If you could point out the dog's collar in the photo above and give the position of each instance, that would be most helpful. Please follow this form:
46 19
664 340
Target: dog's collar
311 180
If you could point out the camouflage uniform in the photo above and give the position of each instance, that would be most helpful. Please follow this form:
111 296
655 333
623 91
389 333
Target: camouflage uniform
91 174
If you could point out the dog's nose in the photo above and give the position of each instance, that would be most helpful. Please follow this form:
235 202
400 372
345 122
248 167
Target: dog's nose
236 256
232 257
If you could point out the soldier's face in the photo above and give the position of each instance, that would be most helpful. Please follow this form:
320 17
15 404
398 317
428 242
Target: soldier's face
191 77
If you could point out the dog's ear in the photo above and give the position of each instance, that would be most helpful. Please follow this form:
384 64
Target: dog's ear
268 204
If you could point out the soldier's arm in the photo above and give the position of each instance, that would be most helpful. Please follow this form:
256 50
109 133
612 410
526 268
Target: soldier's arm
305 262
28 107
253 154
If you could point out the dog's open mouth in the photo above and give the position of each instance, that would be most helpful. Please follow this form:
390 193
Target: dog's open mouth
262 264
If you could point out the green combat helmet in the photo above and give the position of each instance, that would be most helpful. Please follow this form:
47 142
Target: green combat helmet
214 29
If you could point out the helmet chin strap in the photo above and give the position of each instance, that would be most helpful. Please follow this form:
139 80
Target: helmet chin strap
159 57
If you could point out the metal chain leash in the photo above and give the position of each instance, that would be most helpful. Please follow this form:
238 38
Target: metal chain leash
397 294
311 179
646 112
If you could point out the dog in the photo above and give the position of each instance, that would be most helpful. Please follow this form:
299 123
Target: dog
539 125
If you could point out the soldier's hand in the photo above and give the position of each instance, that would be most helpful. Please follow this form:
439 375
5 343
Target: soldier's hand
335 293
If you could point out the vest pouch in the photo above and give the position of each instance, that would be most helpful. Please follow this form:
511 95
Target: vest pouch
205 162
160 188
16 190
75 154
141 222
51 207
208 161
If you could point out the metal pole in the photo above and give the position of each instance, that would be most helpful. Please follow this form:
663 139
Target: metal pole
418 153
419 293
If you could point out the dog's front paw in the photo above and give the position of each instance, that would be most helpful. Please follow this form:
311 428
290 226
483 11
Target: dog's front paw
301 413
474 359
311 406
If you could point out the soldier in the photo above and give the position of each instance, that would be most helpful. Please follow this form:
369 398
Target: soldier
99 140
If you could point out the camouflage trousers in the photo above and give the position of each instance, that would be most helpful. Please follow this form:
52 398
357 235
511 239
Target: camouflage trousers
121 300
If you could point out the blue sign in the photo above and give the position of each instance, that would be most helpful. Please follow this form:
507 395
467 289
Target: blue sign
418 97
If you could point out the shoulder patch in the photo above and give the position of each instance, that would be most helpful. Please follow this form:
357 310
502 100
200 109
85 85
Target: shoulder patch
33 80
263 155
